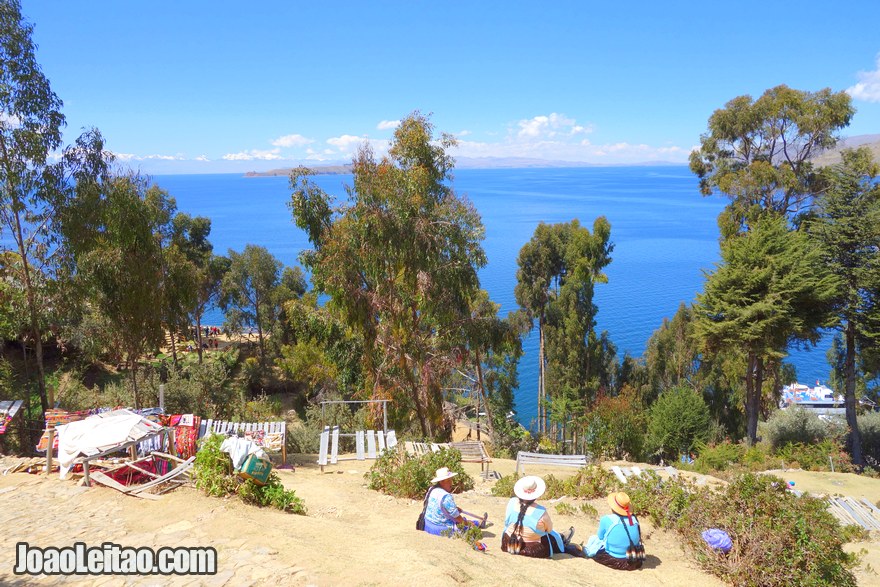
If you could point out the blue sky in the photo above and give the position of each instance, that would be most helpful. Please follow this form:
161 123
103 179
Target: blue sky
189 86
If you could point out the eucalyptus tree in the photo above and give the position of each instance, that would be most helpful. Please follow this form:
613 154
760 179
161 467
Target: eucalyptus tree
770 289
757 152
540 268
210 274
399 262
186 251
558 269
847 224
249 290
114 233
30 130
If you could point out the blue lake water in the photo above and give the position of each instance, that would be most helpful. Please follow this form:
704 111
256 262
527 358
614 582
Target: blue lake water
664 233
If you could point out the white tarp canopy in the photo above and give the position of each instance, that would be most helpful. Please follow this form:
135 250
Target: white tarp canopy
100 433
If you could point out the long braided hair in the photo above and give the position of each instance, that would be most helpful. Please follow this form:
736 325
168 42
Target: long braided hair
516 543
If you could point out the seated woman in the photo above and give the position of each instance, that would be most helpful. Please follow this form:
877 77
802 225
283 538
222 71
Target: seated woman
620 532
528 529
441 513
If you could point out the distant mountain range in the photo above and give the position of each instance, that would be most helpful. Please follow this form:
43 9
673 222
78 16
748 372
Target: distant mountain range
832 156
829 157
470 163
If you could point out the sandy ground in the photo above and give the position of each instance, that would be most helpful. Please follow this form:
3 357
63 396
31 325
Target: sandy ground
351 535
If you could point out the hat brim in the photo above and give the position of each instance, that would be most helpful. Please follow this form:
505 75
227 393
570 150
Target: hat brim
449 475
520 486
616 508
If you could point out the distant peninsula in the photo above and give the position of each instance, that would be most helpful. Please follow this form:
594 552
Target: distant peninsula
318 170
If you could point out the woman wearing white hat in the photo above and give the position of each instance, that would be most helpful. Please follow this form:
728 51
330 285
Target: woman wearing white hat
528 529
441 513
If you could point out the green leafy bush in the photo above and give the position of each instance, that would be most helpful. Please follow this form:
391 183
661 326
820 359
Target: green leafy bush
271 494
677 422
402 475
589 482
214 476
795 425
615 429
869 428
213 468
779 539
815 457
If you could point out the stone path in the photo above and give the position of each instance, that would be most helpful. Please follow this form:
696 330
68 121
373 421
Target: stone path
49 512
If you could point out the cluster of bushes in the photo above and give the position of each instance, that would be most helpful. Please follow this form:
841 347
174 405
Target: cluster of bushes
779 539
589 482
620 428
214 476
401 475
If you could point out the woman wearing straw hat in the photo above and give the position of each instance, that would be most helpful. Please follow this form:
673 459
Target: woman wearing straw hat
528 529
441 513
620 536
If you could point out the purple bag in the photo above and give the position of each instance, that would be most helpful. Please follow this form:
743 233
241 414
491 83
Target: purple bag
718 540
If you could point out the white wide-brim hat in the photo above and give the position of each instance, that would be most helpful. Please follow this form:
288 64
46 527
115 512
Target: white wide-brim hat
442 474
529 488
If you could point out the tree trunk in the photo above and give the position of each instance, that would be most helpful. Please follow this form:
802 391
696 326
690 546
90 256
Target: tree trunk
132 366
850 396
199 336
485 396
752 399
32 314
542 415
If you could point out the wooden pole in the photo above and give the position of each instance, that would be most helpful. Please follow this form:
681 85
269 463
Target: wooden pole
51 431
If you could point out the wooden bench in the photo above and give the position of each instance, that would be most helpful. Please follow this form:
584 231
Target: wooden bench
375 444
270 436
536 458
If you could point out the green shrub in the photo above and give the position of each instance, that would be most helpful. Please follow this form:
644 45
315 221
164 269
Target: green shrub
402 475
214 475
794 425
718 457
869 428
271 494
615 429
677 422
778 539
589 510
213 468
565 509
815 457
589 482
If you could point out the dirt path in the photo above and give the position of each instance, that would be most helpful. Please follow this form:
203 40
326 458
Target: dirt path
352 536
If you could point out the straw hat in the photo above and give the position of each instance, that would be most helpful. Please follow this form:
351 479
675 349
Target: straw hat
619 503
442 474
529 488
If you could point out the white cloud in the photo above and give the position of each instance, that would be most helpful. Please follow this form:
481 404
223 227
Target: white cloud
11 119
463 133
868 88
345 142
549 126
292 141
126 157
258 154
557 137
202 158
388 124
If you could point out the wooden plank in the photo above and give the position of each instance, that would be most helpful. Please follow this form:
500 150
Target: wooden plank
103 479
371 445
334 450
359 444
179 470
618 472
391 439
380 438
325 440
